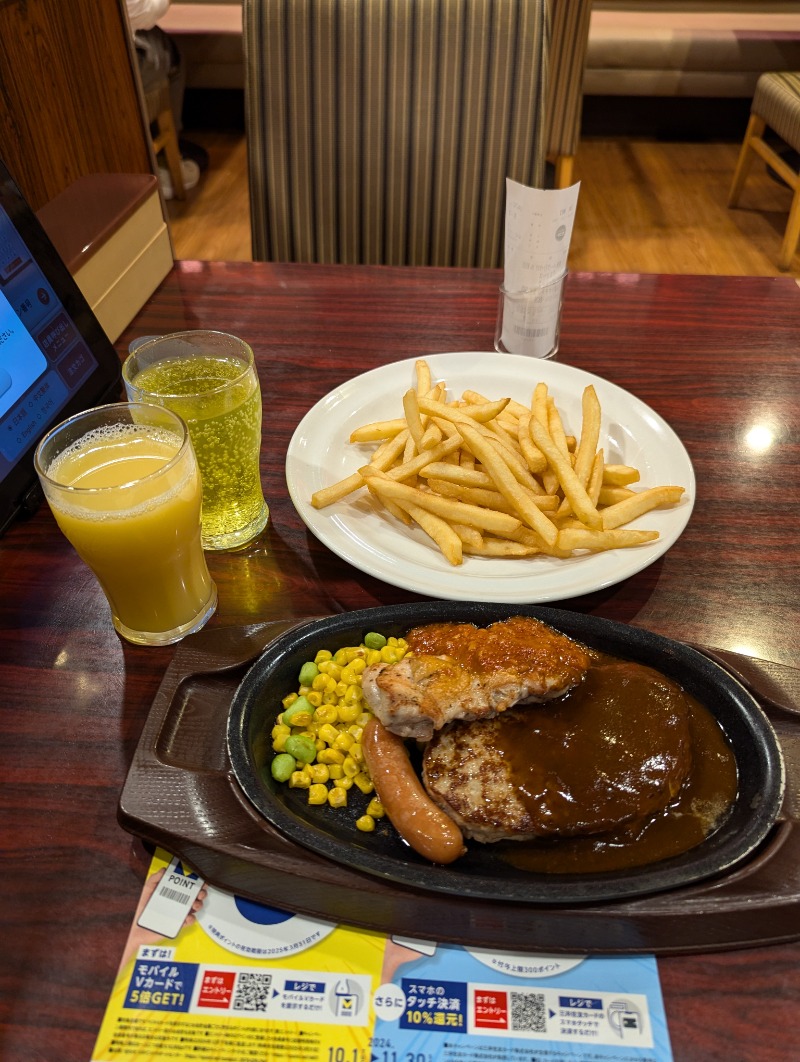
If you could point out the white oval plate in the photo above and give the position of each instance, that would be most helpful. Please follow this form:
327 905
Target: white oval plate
357 530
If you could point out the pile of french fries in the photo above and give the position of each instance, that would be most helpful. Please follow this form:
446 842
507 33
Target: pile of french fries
498 478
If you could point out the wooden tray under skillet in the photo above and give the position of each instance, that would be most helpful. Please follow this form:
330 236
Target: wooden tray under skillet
181 793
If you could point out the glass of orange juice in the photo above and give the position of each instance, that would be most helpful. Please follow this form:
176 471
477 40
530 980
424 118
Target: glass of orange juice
209 378
123 483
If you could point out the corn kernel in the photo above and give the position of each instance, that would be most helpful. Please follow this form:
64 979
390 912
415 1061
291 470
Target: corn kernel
350 767
365 823
315 698
391 641
303 731
337 797
280 728
299 780
335 772
319 772
326 713
348 676
376 809
358 664
329 698
322 656
328 733
330 756
318 682
363 782
289 700
303 690
355 730
343 741
357 753
348 713
340 657
374 656
341 689
353 695
317 793
389 654
279 742
300 722
364 718
345 782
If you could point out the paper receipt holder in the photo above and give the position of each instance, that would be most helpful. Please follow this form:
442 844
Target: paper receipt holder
529 320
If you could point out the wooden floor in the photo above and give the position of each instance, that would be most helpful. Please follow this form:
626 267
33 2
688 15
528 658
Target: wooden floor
645 205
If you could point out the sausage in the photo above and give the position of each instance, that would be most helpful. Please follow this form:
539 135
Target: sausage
411 811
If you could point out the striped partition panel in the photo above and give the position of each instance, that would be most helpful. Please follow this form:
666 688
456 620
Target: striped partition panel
382 131
569 42
777 100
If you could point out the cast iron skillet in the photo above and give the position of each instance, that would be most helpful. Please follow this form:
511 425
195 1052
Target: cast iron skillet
483 872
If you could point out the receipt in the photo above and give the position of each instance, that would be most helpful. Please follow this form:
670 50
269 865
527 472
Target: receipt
538 230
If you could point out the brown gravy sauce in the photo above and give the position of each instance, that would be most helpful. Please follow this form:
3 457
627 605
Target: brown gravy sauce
696 811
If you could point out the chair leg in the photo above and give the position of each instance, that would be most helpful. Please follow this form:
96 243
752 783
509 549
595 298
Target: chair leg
564 166
755 127
792 234
168 138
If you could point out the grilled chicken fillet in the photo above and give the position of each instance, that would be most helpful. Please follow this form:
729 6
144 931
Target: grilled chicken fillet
460 671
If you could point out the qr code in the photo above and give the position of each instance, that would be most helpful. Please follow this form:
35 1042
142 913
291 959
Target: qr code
528 1012
252 991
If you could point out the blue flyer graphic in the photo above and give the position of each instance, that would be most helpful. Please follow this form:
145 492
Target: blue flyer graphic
445 1003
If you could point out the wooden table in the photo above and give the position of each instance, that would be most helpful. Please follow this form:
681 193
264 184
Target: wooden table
717 357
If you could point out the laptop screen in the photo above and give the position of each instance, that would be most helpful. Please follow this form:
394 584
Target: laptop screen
55 359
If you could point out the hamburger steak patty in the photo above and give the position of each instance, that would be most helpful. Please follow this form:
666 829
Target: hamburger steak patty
615 749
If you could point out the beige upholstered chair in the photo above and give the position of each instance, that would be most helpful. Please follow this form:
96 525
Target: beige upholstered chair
569 40
776 104
383 132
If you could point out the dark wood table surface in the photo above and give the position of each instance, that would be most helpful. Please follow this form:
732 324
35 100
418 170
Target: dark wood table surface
717 357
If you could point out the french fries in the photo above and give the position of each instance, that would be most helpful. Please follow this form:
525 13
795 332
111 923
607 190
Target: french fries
496 478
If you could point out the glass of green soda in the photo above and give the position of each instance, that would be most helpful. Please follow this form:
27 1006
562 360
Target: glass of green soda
209 378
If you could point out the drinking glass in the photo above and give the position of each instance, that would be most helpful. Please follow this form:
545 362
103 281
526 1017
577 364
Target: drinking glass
529 320
124 486
209 379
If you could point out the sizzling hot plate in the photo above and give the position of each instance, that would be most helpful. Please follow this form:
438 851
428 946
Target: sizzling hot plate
483 872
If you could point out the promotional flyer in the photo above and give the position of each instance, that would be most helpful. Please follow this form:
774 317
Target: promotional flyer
209 976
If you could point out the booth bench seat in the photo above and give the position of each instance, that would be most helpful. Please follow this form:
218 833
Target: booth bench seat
706 48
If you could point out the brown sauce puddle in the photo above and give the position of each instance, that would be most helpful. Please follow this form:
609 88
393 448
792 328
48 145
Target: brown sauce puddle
695 812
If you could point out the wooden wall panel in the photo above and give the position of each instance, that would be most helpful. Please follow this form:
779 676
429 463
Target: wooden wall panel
69 94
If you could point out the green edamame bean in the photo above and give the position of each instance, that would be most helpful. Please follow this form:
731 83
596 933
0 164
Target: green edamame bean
282 767
308 672
301 747
301 707
373 640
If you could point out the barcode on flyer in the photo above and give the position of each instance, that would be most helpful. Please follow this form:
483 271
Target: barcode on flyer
252 991
176 895
528 1012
